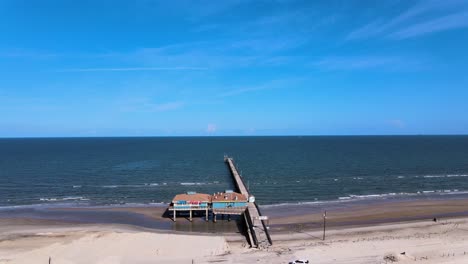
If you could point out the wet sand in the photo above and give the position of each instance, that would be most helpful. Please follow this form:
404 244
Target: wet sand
370 214
282 218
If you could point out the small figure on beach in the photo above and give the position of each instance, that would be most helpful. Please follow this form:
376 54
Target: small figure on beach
435 219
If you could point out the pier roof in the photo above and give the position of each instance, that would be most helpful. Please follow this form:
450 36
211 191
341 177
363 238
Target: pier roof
201 197
228 197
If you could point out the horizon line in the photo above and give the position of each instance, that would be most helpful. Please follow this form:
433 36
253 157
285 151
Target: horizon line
219 136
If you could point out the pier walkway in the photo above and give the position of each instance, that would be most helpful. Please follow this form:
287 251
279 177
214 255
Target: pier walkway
256 227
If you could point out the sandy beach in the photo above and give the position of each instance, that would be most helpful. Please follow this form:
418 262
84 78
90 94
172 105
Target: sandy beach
24 241
367 234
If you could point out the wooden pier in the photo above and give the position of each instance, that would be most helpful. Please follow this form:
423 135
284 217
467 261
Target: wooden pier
256 226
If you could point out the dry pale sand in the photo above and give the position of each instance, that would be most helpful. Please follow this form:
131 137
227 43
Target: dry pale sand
423 242
104 244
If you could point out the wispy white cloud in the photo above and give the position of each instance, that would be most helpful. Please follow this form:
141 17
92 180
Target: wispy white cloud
134 69
147 105
266 45
397 123
243 90
415 19
166 106
209 55
274 84
363 62
454 21
211 128
372 29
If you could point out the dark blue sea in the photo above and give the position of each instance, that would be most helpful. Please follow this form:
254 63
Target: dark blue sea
136 171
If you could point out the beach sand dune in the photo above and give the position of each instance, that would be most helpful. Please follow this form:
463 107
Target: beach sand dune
105 245
445 241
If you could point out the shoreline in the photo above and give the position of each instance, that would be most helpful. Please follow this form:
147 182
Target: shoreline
283 218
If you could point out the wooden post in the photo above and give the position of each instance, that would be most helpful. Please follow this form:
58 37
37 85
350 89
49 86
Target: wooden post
214 217
324 223
190 212
175 214
50 260
206 214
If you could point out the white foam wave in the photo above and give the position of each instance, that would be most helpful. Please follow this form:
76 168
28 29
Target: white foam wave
344 198
350 198
131 185
446 176
191 183
198 183
434 176
428 191
385 195
48 199
68 198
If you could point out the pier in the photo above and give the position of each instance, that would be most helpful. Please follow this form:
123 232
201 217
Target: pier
229 202
256 227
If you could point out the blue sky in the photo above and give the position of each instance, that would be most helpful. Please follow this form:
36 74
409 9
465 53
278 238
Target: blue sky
233 67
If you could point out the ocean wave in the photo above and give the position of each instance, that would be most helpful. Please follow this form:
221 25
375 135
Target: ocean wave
131 185
68 198
364 197
154 184
430 176
402 194
434 176
191 183
198 183
59 203
446 176
298 203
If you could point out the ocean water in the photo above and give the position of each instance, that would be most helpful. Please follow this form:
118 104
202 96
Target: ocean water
135 171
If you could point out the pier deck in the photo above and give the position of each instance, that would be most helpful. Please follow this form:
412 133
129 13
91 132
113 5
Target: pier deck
258 232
